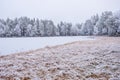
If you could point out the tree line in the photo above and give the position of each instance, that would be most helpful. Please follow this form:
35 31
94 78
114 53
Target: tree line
108 23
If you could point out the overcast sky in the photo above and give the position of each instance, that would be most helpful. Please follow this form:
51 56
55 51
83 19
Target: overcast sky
57 10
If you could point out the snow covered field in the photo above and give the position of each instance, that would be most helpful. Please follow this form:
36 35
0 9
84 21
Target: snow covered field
82 60
14 45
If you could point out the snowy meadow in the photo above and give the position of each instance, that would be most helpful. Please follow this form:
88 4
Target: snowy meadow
15 45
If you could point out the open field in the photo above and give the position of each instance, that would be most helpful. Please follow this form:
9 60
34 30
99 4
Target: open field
81 60
21 44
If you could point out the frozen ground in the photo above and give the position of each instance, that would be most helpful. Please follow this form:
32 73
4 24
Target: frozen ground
83 60
14 45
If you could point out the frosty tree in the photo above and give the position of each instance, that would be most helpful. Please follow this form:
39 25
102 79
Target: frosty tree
106 24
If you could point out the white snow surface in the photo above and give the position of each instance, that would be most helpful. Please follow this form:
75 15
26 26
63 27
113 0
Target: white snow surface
15 45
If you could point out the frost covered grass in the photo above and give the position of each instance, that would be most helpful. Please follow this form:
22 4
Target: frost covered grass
82 60
14 45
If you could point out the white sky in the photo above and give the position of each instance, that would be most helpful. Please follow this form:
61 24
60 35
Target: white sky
57 10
